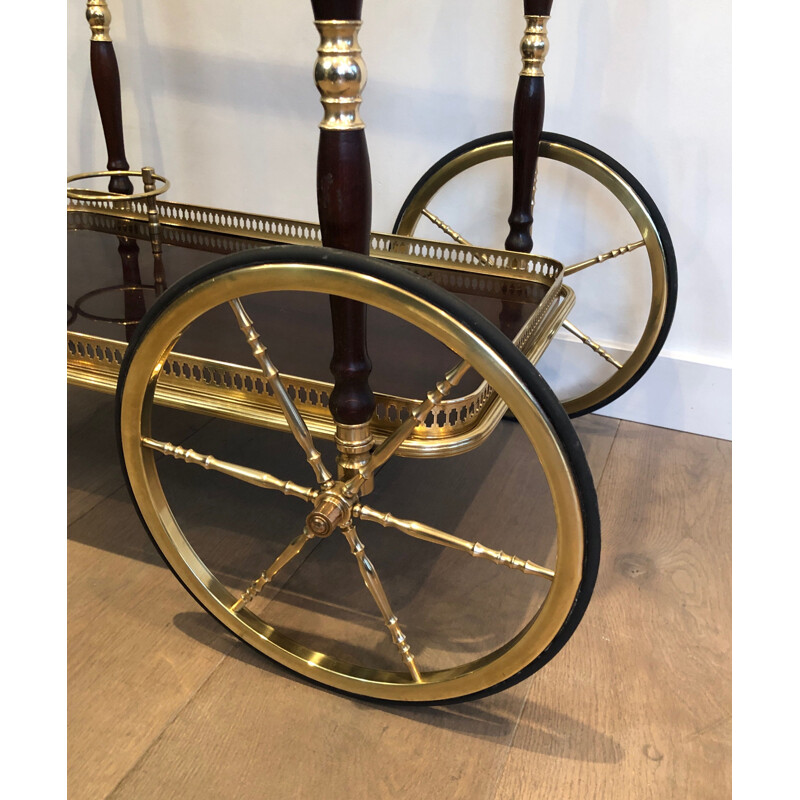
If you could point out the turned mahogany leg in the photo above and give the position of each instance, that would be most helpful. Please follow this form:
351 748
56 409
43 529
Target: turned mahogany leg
105 79
527 128
344 195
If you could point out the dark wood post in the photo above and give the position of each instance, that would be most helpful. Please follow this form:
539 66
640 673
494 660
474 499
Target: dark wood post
527 128
344 195
105 79
133 298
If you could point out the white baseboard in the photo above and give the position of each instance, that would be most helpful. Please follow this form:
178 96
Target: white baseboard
679 391
681 394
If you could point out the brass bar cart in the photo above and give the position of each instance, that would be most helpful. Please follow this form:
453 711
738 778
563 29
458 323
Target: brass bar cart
349 353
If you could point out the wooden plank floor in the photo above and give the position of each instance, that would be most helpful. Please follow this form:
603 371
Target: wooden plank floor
163 703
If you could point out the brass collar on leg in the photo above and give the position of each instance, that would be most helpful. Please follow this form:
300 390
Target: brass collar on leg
99 18
333 507
354 443
534 46
340 74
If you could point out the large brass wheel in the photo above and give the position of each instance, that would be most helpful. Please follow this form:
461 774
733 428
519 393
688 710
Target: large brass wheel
592 215
452 577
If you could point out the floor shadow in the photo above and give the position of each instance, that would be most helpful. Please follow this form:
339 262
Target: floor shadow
543 730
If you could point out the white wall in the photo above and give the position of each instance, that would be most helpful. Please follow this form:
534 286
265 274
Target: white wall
220 97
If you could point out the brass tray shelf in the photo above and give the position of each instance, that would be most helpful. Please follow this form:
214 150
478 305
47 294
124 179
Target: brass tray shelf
236 392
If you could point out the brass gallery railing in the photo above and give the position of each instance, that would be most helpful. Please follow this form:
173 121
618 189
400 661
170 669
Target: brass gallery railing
237 392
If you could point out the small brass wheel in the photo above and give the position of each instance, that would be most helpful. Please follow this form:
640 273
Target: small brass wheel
592 215
396 578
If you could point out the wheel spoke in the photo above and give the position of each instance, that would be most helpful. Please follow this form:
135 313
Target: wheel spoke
375 587
296 424
589 342
272 570
390 445
246 474
429 534
445 227
590 262
455 235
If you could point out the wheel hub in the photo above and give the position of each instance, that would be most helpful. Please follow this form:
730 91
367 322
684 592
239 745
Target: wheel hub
331 510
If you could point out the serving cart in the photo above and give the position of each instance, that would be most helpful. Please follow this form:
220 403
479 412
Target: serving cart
409 514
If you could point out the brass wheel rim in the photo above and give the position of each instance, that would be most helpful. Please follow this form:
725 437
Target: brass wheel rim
135 411
629 199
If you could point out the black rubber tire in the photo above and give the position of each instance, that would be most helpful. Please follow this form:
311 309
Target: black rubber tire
658 220
481 327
